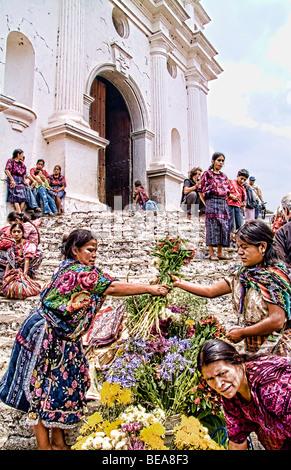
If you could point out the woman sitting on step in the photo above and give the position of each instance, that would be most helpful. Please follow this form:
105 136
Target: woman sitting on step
30 232
261 292
48 374
24 254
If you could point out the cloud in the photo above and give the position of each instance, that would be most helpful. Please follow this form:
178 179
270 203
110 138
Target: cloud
233 95
279 47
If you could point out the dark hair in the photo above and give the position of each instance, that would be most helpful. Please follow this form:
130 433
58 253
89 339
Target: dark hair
244 173
214 157
78 238
14 216
16 152
255 232
17 224
217 350
138 183
40 160
194 171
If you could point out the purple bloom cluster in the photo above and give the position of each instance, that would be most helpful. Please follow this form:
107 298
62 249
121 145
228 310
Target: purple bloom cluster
131 427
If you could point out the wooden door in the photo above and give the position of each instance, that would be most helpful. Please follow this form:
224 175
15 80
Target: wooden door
111 117
97 122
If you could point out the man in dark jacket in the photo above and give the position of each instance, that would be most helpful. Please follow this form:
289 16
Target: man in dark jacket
283 235
190 197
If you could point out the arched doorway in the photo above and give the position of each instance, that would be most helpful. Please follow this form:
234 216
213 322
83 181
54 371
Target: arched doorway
109 116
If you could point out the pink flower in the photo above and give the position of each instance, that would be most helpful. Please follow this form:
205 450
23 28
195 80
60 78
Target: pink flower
67 282
65 375
74 384
88 279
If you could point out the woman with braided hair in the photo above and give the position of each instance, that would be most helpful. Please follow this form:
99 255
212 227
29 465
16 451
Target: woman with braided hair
261 292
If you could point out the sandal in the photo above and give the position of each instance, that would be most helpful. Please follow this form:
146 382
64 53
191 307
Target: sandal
223 258
214 258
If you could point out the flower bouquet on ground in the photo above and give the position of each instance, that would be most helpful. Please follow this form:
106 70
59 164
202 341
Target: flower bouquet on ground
119 425
172 254
191 435
161 371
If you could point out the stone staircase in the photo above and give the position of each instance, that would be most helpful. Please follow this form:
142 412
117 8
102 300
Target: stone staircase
124 250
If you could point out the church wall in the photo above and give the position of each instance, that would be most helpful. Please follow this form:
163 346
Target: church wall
130 62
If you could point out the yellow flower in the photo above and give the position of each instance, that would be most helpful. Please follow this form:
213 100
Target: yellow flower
191 435
95 419
152 436
124 397
108 427
80 441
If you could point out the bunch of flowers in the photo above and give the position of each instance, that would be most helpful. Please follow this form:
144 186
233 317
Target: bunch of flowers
161 371
133 429
191 435
172 254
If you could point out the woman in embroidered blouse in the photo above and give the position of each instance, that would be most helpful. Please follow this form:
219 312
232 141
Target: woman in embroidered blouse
261 292
57 184
54 377
23 254
16 171
30 233
256 394
213 191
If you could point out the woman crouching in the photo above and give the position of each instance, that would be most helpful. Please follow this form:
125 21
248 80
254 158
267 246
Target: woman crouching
256 394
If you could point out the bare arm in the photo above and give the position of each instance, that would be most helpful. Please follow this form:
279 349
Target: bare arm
26 266
12 182
202 198
189 189
118 288
234 446
273 322
203 290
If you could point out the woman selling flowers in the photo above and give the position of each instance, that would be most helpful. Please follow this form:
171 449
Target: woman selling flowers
261 292
48 372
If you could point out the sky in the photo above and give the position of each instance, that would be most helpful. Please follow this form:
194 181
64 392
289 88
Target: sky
249 105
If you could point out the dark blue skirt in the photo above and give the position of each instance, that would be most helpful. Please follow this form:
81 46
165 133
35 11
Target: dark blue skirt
17 194
217 222
14 386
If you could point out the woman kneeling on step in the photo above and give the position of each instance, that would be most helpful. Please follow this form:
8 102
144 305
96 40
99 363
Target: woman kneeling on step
48 374
261 292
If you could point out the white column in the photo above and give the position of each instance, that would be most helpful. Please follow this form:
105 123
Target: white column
69 71
160 47
197 121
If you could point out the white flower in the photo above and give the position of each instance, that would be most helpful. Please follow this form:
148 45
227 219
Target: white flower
97 442
121 444
115 434
100 434
107 443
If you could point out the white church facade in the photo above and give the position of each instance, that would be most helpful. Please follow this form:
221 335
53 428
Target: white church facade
111 90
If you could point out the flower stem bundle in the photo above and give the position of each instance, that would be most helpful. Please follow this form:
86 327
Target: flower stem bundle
172 254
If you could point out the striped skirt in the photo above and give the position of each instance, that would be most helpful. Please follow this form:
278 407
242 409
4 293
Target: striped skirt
217 222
